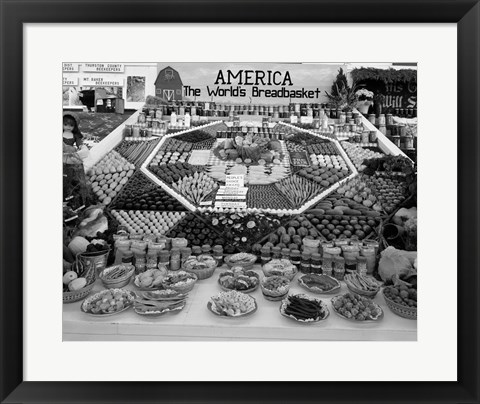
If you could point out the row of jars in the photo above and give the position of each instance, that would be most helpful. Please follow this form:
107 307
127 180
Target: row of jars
223 110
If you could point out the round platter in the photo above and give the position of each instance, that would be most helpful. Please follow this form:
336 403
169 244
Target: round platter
380 316
160 312
159 296
97 296
253 310
239 290
319 291
285 302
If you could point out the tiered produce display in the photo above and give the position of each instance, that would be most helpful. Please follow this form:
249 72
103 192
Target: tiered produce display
303 206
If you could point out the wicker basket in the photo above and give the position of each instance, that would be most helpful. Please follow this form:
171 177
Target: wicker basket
76 295
119 282
401 310
361 292
274 295
203 273
244 265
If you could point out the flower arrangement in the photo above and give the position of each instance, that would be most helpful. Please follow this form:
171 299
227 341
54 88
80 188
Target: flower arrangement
364 95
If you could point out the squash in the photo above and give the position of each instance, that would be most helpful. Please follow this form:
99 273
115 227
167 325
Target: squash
78 245
77 284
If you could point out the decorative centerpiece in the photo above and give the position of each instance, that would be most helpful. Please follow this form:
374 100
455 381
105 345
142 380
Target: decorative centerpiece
364 100
250 149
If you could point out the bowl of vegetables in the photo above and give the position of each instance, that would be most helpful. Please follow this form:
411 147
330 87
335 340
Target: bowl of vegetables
117 276
275 287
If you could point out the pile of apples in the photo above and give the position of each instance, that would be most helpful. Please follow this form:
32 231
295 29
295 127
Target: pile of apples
377 193
358 154
147 222
109 175
333 161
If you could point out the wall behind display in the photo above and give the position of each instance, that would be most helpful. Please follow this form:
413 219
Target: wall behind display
135 88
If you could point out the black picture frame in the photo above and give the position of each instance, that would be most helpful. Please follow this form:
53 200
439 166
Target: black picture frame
464 13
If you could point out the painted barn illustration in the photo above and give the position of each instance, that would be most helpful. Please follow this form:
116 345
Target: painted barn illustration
168 84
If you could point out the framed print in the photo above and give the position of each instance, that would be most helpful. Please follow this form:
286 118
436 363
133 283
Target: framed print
179 284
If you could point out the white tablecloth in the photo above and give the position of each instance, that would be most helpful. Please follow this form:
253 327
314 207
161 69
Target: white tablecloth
196 322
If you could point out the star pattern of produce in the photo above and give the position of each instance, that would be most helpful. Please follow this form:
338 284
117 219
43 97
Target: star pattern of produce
299 185
284 175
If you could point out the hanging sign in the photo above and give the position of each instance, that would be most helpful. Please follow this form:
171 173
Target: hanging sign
104 67
70 81
70 67
101 81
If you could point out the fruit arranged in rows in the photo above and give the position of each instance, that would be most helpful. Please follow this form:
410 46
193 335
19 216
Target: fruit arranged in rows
175 145
389 191
136 151
240 228
358 190
358 154
149 222
295 147
324 148
298 189
323 175
142 194
290 235
196 231
109 175
329 161
111 163
195 187
194 136
167 157
267 197
356 307
343 226
304 138
402 294
336 204
170 173
204 144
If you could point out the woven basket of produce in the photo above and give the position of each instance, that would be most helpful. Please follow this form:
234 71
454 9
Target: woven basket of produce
244 260
76 295
275 287
400 309
117 276
202 266
362 284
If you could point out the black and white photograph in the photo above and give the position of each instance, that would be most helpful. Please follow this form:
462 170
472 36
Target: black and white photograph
239 201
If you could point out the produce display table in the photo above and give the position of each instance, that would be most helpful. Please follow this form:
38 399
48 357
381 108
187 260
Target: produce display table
196 322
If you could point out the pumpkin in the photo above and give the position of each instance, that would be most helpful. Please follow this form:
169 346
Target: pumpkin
78 245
